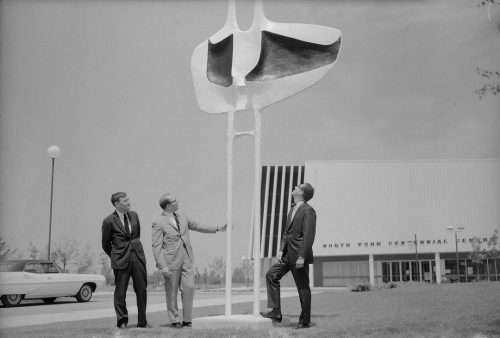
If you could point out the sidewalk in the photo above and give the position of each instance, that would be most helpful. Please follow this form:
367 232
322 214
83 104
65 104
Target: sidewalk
218 298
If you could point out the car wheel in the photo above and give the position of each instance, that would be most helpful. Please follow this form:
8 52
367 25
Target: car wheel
11 300
49 300
84 294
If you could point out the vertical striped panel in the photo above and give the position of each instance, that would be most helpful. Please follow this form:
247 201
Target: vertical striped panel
276 196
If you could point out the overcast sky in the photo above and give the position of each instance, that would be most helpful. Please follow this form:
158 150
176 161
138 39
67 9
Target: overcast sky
109 82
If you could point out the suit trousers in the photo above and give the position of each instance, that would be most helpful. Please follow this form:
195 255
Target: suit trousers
181 279
137 270
301 278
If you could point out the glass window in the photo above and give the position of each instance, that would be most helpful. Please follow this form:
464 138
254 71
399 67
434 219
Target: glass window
386 272
50 268
405 268
34 268
415 271
395 272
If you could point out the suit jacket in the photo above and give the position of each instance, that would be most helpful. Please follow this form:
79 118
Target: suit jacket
298 237
169 241
118 244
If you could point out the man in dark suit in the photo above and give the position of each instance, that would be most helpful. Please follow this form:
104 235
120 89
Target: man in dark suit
121 232
295 255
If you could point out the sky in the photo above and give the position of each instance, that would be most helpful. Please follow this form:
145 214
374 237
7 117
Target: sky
109 82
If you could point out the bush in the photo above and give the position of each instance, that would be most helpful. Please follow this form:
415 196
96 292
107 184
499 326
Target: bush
361 288
391 285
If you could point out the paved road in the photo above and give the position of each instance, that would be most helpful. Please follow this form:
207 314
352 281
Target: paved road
35 312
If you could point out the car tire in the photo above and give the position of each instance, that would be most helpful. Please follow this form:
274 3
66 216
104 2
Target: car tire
84 294
49 300
11 300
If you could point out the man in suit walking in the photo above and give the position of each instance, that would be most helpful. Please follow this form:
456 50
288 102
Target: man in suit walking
295 255
121 232
174 257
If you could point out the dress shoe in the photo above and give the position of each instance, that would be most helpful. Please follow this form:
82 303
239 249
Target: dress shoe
122 326
144 326
274 315
301 326
187 324
176 325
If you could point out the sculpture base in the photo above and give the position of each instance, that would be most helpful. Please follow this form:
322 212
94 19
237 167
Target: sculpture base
238 321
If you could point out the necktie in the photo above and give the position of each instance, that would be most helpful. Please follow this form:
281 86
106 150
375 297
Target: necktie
177 221
125 223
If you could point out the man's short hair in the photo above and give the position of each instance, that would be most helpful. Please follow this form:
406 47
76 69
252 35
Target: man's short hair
308 191
116 197
165 200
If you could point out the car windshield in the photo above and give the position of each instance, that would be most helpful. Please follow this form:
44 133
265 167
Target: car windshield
7 266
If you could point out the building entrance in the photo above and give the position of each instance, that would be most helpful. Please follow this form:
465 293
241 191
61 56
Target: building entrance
405 271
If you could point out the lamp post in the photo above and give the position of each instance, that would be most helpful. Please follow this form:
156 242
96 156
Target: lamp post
53 152
456 230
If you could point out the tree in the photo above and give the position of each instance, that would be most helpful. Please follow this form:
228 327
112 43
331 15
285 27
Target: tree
493 77
86 260
106 271
493 87
492 245
244 273
33 251
247 266
5 249
238 275
197 276
493 252
204 277
66 250
482 3
156 278
477 255
218 269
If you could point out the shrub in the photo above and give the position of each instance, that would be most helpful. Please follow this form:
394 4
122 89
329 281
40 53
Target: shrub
361 288
391 285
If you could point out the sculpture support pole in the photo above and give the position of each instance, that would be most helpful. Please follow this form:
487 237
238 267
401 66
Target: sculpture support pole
229 211
256 218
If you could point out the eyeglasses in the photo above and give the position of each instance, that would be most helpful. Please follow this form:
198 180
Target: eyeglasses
172 202
300 187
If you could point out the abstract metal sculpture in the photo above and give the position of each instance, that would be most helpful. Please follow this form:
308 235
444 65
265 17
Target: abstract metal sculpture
236 70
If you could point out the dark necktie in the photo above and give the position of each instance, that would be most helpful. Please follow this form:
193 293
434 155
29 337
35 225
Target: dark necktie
125 223
177 221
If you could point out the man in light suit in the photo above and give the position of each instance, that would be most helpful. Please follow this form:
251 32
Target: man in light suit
174 257
121 232
295 255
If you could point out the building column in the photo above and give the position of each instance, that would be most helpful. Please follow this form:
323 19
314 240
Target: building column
438 267
372 270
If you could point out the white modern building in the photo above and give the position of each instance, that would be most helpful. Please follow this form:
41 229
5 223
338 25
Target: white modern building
383 221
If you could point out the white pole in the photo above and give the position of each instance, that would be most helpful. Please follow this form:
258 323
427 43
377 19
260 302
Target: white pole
229 211
256 218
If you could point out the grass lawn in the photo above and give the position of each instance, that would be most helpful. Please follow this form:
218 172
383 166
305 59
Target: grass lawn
411 310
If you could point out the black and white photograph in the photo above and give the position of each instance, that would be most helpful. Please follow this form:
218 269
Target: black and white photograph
249 168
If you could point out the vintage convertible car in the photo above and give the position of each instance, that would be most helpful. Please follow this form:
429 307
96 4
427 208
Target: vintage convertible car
43 279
